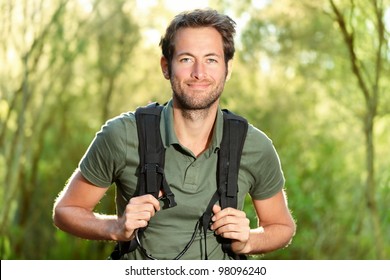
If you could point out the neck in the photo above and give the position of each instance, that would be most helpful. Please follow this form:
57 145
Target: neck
194 128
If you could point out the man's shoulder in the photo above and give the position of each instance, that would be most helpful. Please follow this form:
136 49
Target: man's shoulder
125 118
119 126
257 141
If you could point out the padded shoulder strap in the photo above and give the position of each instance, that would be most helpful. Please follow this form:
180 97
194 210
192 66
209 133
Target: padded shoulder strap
152 154
151 177
151 150
234 133
229 156
235 129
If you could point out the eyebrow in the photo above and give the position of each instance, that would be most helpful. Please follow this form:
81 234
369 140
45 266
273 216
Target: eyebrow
206 55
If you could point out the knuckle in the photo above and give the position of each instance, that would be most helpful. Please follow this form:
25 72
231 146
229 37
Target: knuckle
144 223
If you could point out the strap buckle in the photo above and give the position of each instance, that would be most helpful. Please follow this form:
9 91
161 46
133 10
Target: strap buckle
168 201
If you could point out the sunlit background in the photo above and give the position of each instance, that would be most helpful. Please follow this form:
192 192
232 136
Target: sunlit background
313 75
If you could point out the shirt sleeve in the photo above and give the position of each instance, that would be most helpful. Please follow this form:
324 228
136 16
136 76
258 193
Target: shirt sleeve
105 157
265 164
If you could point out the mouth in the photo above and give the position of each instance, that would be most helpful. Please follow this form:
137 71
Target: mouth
201 85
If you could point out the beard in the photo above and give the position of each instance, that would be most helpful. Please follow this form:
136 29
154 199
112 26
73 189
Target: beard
196 99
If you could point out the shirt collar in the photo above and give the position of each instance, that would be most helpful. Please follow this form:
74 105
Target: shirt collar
168 134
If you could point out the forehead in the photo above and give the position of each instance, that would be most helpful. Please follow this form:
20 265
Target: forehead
198 40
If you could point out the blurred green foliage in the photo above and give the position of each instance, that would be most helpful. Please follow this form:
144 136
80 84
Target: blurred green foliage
68 66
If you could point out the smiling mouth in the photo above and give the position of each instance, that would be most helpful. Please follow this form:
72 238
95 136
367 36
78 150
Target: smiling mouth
198 85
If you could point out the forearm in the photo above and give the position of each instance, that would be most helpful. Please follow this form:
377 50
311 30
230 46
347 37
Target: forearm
269 238
86 224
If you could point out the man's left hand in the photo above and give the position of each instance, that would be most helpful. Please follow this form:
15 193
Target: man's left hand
233 224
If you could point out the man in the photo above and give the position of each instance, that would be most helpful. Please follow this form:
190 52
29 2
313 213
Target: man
197 49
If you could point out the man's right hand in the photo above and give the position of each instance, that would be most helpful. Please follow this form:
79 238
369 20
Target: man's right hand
74 212
137 214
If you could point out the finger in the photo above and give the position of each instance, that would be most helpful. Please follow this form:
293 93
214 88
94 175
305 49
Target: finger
216 209
143 214
232 227
131 226
230 216
226 212
131 221
237 236
237 232
231 223
145 199
137 216
139 208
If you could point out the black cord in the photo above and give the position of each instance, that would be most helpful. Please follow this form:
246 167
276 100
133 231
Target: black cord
149 256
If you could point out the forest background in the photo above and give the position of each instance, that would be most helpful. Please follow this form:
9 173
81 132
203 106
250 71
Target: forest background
313 75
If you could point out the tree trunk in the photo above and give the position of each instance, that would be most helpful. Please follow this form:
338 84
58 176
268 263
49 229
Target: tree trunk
370 94
371 185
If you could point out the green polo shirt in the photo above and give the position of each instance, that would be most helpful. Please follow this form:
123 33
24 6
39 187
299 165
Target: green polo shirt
112 158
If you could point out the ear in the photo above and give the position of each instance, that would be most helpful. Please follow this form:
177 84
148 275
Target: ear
164 67
229 69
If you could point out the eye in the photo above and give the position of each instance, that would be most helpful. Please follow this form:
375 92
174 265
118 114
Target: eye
212 60
186 60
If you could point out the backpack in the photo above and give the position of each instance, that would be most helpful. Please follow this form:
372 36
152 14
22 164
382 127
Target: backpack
152 179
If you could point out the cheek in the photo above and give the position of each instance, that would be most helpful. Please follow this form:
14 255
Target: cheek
217 73
180 74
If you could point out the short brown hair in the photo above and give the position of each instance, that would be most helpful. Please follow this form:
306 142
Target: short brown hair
200 18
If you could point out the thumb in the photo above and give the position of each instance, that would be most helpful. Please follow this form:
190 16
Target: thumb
216 208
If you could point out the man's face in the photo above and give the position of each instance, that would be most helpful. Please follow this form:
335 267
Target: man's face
198 70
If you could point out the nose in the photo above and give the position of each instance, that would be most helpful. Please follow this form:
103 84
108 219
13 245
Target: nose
198 71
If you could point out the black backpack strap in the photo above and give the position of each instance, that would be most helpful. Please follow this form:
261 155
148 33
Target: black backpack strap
152 154
151 178
234 133
235 129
